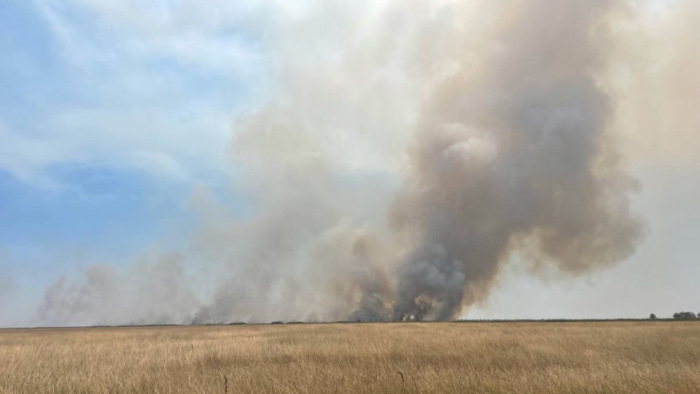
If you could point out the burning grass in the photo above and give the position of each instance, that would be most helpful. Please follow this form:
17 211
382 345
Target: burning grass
620 357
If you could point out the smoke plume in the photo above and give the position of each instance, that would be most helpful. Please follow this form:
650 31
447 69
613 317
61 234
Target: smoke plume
515 147
407 150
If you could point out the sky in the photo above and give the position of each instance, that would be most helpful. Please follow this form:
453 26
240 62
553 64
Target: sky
116 117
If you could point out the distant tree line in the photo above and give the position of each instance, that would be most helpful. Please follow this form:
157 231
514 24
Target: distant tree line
686 316
681 316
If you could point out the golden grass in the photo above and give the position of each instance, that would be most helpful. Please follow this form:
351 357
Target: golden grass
654 357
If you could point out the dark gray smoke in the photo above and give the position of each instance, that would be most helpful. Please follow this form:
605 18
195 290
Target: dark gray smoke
407 151
515 148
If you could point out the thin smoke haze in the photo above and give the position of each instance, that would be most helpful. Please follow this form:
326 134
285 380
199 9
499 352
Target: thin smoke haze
406 152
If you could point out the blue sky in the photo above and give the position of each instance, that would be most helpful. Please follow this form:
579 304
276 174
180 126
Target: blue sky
106 127
113 113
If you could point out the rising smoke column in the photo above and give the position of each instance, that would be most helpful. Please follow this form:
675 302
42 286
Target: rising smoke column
514 151
492 121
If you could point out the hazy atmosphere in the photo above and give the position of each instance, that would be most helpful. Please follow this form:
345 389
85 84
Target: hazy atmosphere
323 160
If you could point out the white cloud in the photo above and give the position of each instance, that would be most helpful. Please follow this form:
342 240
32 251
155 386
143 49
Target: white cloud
160 83
151 86
211 35
24 158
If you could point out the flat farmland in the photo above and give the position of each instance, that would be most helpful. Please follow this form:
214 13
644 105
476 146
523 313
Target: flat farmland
572 357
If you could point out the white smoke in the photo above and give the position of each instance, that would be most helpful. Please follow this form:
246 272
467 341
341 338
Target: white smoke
406 150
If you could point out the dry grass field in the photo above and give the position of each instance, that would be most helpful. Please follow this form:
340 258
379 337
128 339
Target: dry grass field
610 357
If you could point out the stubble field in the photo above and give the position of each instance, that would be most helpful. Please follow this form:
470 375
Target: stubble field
610 357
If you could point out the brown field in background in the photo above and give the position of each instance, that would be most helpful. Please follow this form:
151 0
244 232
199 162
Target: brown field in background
610 357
